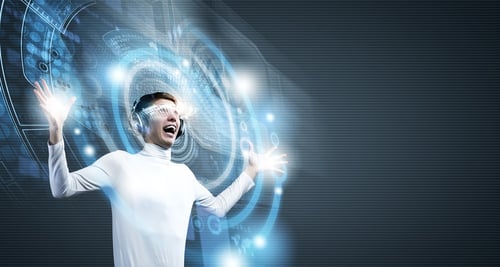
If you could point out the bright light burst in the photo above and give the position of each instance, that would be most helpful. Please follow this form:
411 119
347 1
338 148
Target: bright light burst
245 83
116 74
270 117
55 106
259 241
231 259
278 190
89 150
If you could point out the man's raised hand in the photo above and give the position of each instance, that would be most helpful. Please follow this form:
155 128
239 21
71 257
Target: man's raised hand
56 112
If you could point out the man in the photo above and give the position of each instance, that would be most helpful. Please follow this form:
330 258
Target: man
152 196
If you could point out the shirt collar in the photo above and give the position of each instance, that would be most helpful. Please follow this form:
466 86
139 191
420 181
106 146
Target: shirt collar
152 150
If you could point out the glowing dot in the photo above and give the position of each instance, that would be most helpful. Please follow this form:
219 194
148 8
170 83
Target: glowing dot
230 259
116 74
244 83
177 72
89 151
77 131
259 241
270 117
278 190
186 63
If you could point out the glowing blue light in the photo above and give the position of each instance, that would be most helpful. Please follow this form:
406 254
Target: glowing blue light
55 105
270 117
231 259
116 74
278 190
89 151
77 131
259 241
186 63
244 83
177 73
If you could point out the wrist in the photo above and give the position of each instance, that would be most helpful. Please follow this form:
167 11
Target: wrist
55 134
251 171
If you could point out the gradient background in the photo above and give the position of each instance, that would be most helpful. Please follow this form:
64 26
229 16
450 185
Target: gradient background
396 140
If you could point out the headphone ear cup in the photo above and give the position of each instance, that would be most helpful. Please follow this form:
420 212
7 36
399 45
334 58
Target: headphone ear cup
180 132
137 123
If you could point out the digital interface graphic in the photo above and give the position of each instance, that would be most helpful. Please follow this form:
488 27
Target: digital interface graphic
108 54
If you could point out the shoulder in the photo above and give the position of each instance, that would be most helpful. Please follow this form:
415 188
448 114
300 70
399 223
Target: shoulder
114 156
184 168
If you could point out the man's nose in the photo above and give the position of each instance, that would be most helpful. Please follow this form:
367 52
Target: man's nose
171 116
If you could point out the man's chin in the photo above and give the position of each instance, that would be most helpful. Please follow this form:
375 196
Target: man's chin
168 141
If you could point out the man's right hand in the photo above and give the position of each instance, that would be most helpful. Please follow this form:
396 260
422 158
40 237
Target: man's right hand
55 112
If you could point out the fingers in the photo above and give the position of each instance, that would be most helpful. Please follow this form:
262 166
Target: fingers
250 147
280 156
70 102
44 94
42 91
46 89
270 151
54 110
278 170
39 96
281 162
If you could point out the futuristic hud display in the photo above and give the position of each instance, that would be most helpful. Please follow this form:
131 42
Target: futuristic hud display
109 53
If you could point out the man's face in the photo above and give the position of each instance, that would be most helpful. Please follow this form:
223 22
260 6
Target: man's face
164 123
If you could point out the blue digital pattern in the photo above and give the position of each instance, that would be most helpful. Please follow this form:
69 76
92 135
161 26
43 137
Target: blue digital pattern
108 66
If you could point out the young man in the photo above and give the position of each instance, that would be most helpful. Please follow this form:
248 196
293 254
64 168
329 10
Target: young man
152 196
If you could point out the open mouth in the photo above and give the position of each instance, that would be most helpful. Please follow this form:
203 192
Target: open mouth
169 129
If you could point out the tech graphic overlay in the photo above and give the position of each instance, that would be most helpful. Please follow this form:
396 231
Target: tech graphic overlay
109 53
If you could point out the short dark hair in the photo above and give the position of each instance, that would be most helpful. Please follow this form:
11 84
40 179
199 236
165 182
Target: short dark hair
147 100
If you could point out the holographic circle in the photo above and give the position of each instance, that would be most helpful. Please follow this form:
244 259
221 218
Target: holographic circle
43 66
245 145
196 73
275 139
54 53
243 126
214 225
197 223
280 177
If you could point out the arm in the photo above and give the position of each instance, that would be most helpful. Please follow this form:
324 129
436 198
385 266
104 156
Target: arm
62 182
221 204
263 162
65 184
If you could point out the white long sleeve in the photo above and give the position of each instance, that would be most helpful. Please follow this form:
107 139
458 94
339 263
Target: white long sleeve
151 199
63 183
221 204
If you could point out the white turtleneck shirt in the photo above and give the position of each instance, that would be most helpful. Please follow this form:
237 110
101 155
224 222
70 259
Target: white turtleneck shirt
151 199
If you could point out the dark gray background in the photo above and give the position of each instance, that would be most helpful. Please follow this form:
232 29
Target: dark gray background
401 166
